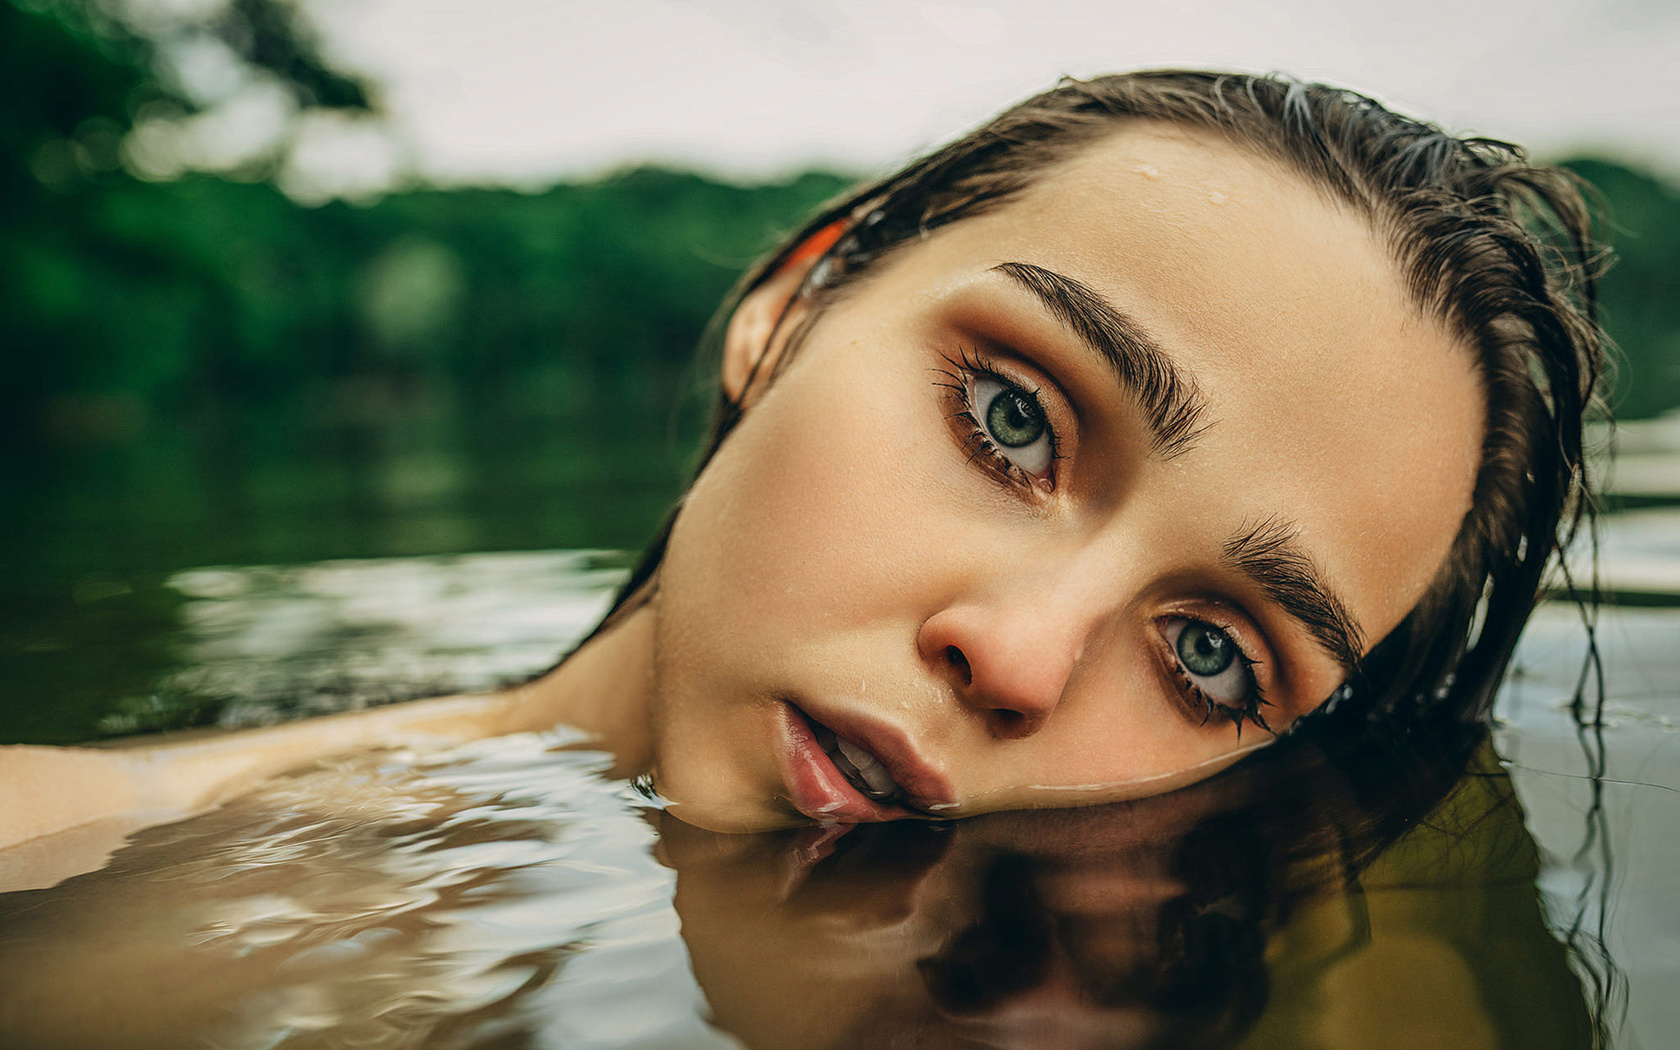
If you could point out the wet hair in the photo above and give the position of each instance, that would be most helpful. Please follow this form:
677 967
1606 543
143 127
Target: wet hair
1498 250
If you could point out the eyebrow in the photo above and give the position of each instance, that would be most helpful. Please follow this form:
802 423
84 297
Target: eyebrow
1265 552
1171 401
1268 554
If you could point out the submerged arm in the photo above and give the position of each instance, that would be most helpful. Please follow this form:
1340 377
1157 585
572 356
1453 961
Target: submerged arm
51 790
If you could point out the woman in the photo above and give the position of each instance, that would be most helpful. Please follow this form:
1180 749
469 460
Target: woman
1077 459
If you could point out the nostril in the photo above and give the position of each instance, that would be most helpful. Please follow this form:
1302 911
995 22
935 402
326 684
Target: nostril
956 659
1008 725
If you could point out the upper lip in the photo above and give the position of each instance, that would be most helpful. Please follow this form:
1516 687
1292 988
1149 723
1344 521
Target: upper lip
923 786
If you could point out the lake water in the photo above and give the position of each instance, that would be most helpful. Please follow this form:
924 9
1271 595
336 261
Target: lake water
504 894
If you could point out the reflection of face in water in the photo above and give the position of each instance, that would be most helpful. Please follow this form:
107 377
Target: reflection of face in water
1073 928
1219 914
933 937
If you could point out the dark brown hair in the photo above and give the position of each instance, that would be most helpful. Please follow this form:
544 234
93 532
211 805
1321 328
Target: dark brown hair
1499 250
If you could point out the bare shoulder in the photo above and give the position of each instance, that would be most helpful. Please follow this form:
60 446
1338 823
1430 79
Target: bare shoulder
50 790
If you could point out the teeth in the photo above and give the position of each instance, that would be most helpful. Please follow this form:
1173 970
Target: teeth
869 768
863 769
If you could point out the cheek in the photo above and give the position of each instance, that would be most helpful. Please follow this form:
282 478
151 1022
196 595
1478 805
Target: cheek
818 508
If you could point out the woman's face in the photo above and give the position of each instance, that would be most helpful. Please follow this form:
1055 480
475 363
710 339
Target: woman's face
1068 502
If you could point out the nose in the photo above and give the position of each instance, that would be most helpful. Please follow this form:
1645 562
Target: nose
1011 661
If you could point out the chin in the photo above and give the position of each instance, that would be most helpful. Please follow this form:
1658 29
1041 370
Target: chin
735 818
716 796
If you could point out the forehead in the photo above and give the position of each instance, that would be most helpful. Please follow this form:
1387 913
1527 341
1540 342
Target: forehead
1335 402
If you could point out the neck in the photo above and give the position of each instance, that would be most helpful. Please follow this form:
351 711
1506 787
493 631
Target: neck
606 690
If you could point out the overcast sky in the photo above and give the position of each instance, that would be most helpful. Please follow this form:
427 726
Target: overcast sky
526 91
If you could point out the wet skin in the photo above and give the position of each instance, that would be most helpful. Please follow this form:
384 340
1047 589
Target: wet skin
1004 625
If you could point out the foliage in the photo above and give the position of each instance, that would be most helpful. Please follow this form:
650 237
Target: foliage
124 299
1640 308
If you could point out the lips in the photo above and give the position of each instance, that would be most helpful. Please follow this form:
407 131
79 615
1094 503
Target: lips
840 766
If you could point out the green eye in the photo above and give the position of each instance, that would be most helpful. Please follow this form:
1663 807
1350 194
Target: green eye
1206 650
1014 419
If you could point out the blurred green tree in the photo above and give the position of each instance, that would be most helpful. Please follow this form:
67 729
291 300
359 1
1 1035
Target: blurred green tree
1641 292
101 312
126 299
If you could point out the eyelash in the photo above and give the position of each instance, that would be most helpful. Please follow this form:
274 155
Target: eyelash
958 380
1194 697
